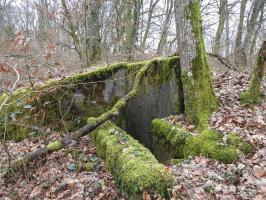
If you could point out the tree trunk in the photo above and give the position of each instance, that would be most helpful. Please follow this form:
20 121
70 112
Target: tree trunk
119 7
73 33
219 32
94 30
132 25
253 94
227 32
148 26
254 40
164 34
250 31
199 96
239 34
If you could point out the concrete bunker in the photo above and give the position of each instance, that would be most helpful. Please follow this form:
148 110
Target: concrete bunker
69 103
153 89
92 93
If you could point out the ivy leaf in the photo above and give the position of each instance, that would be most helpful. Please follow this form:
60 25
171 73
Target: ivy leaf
92 158
72 166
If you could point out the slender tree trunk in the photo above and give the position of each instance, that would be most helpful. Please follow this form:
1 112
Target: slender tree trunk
129 30
164 34
254 94
42 19
251 30
86 27
219 32
94 30
254 40
73 34
132 25
148 26
119 7
199 96
239 34
227 32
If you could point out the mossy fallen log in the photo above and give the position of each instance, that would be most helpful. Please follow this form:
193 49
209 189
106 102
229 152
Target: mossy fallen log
208 143
133 166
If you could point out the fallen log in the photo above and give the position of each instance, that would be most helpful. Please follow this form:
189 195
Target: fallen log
223 60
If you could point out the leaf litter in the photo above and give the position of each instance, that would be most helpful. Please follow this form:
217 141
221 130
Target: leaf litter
204 178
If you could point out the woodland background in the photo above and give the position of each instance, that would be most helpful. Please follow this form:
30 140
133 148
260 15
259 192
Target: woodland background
47 38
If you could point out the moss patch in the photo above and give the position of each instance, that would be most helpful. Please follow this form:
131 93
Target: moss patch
183 144
239 143
168 139
89 166
133 166
54 146
207 144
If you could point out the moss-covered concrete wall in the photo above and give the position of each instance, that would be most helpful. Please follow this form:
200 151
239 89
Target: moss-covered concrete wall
65 104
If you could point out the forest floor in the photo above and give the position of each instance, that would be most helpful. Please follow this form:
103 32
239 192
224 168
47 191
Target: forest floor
76 172
203 178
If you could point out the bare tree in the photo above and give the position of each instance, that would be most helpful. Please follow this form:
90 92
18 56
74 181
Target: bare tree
166 22
239 35
222 18
251 24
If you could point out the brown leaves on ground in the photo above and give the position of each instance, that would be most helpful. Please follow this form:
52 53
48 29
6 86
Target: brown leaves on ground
61 175
203 178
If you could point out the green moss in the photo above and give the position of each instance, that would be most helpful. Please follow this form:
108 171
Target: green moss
89 166
158 71
176 161
182 144
168 140
254 94
235 140
133 166
54 146
207 144
173 134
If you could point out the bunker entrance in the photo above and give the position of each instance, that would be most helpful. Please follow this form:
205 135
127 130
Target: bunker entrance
156 102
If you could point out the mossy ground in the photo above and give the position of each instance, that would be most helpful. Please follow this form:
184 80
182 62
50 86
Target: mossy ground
133 166
54 146
235 140
206 143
